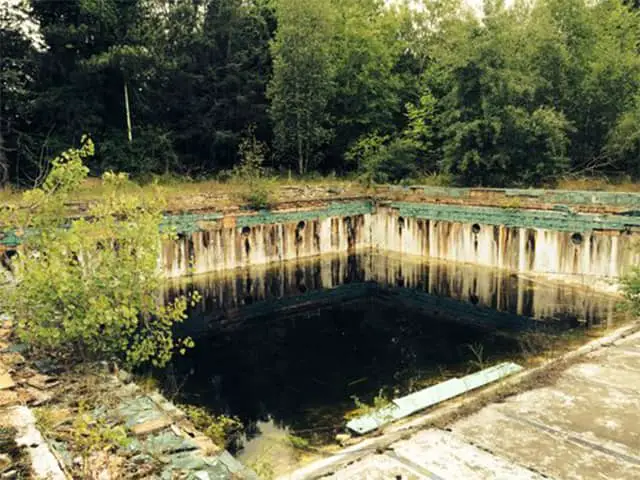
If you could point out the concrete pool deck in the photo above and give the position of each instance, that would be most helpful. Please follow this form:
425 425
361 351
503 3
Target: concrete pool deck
583 425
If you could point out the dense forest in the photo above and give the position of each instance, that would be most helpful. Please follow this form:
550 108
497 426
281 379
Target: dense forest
517 94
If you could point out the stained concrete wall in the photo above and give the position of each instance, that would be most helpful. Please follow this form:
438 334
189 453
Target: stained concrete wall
237 246
578 255
587 249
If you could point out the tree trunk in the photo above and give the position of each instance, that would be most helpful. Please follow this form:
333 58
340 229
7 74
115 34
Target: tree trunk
298 132
127 111
4 164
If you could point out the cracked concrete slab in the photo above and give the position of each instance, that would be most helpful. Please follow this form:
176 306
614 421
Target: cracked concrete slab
606 416
584 426
379 467
547 452
447 456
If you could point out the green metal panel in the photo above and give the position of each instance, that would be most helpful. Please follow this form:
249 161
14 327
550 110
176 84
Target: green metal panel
570 197
8 238
188 222
414 402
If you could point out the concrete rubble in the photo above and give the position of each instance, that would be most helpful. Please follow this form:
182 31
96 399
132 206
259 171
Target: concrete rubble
160 442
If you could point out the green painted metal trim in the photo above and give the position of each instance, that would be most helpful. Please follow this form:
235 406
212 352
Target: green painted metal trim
335 209
188 222
8 238
414 402
570 197
558 220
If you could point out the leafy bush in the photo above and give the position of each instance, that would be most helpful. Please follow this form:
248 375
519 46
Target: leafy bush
88 288
259 197
219 428
390 162
251 174
150 152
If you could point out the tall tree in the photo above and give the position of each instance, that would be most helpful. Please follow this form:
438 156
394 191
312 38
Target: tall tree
303 80
91 47
370 89
493 132
217 86
20 46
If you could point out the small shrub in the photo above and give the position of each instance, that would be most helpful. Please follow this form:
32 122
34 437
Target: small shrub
298 442
380 401
91 435
87 288
221 429
263 467
251 174
258 198
477 350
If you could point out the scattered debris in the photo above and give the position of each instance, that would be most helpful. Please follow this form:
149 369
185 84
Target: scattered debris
42 382
6 382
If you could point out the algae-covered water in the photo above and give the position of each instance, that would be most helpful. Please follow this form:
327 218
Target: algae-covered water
292 349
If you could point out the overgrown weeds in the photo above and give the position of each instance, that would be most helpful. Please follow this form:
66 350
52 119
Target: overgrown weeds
221 429
87 288
380 401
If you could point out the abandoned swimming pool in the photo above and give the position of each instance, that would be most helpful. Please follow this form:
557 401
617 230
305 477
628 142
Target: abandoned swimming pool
293 348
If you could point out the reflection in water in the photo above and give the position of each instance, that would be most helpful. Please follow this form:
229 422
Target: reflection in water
226 296
300 341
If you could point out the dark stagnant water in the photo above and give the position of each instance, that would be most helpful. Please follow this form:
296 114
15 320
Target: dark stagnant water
285 348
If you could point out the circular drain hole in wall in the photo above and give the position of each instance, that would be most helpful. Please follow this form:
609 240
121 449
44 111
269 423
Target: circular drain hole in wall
246 231
576 239
475 228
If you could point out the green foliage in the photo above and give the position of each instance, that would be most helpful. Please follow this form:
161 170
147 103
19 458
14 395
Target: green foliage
262 466
219 428
630 283
259 198
87 287
404 156
529 92
250 172
150 152
91 435
391 162
298 442
380 401
302 81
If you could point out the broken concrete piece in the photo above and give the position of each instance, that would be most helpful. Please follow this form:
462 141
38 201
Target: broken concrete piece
33 397
151 426
42 382
343 438
12 359
6 382
5 461
8 398
206 445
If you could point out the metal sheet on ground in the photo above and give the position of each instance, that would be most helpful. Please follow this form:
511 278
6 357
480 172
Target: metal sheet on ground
412 403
